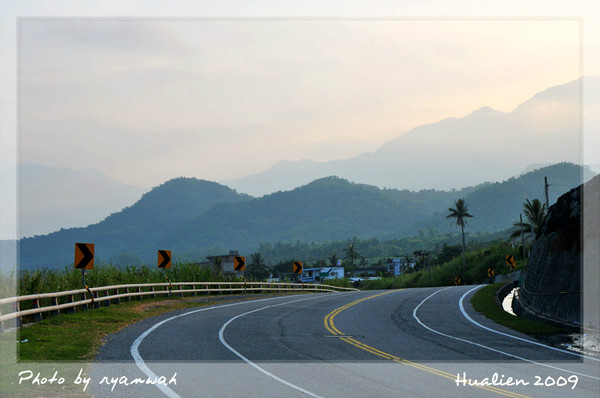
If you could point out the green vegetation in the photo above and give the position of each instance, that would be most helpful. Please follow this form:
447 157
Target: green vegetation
483 302
438 269
478 262
52 280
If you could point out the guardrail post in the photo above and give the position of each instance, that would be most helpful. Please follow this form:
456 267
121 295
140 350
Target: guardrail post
71 299
106 302
37 317
118 299
127 298
54 301
139 290
95 304
219 287
18 320
153 295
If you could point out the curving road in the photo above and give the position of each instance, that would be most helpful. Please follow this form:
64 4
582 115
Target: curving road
415 342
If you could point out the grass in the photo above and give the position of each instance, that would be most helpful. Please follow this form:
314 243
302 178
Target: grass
483 302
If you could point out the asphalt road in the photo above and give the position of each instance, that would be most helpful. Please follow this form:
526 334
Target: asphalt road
413 343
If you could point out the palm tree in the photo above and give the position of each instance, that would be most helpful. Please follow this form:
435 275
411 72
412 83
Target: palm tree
258 269
460 213
351 254
535 212
333 260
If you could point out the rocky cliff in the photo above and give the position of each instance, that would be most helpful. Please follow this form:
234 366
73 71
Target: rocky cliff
553 282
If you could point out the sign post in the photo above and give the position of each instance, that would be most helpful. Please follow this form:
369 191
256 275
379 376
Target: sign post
239 264
164 262
396 263
84 260
297 268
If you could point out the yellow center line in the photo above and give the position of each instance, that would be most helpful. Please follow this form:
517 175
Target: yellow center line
330 326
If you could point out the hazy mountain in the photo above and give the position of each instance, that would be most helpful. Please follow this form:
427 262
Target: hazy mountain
486 145
195 218
51 198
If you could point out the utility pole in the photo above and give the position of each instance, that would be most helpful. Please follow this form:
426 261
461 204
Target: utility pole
546 192
522 235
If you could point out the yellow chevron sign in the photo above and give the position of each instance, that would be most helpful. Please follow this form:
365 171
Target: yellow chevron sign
510 261
84 255
164 259
297 267
239 263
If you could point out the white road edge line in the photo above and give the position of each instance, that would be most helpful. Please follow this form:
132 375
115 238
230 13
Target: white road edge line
139 361
462 309
486 347
249 362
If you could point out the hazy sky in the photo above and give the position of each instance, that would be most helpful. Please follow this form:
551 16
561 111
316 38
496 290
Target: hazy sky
145 101
155 90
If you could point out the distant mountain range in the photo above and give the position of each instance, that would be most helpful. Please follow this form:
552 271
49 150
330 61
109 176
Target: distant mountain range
486 145
51 198
195 218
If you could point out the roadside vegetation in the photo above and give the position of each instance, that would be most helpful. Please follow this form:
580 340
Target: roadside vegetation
483 302
431 268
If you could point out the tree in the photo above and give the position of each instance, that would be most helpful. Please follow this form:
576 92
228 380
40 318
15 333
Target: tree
257 268
535 213
351 254
447 253
460 213
333 260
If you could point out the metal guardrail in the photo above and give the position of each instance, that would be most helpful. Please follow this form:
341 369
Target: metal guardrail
107 295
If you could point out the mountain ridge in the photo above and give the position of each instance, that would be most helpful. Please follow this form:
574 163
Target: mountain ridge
543 129
326 209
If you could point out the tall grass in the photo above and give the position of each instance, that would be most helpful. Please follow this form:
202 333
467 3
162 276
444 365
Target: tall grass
8 282
53 280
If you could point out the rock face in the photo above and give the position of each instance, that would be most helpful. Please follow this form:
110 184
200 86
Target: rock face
552 284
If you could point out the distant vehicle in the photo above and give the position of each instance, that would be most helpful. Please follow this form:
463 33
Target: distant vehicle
357 281
320 274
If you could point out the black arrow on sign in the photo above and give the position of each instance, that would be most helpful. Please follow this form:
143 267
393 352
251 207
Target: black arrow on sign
240 264
87 255
297 268
166 259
